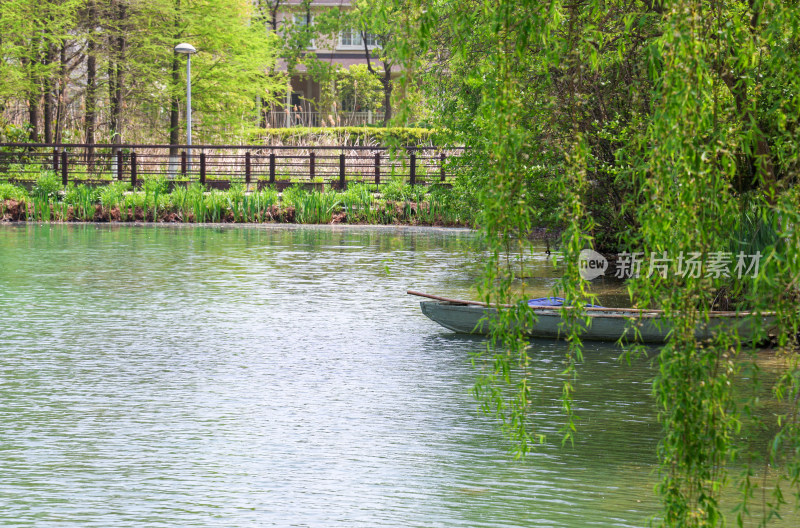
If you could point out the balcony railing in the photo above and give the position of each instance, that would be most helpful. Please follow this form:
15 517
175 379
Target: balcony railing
286 119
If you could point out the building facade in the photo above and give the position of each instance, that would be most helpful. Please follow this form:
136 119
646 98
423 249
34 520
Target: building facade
308 27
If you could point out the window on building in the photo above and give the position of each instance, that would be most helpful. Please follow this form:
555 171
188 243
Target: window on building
351 39
302 21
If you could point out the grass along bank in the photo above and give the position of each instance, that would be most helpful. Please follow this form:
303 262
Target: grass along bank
398 203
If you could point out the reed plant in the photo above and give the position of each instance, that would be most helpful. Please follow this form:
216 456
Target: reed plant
41 209
44 194
259 204
217 205
113 195
311 207
179 201
195 198
82 198
235 198
359 203
154 188
131 202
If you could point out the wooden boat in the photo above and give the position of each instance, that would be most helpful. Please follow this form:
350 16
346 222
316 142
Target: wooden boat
605 324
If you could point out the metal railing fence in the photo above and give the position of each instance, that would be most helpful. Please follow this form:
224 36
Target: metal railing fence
221 165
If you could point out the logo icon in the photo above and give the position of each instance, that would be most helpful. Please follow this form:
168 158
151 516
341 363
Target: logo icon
592 264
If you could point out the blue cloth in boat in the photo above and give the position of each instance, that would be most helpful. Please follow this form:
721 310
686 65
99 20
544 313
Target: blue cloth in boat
554 301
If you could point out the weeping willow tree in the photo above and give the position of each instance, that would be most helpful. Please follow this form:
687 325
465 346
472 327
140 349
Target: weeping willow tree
667 128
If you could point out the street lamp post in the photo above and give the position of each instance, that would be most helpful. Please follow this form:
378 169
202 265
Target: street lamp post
188 50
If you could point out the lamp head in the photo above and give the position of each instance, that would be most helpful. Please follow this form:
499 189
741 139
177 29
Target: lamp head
185 48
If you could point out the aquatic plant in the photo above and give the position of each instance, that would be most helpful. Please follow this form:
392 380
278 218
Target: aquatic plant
311 207
118 201
235 197
154 188
195 198
112 195
358 203
83 199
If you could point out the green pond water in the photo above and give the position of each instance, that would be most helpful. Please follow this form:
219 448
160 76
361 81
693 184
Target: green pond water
278 376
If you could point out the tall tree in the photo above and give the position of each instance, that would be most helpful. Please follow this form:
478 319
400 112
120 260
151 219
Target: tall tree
129 77
230 70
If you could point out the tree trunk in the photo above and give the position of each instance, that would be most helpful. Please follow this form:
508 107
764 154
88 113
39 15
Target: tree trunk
91 102
386 80
33 116
91 90
387 93
61 93
115 76
48 97
33 98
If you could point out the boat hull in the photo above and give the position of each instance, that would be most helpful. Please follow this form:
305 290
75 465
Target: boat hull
603 326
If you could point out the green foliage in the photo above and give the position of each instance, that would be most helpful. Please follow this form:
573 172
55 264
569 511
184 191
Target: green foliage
399 191
11 133
9 191
359 204
112 195
130 45
230 65
359 90
195 198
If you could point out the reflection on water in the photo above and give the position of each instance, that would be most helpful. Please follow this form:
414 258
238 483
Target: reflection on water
176 376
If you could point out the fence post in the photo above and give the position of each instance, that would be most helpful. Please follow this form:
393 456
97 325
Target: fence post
413 175
342 182
377 171
133 170
272 168
64 175
311 164
247 167
203 167
55 160
183 162
119 165
441 165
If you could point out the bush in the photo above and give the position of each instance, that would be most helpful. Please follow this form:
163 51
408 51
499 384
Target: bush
9 191
399 191
47 186
293 196
112 195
